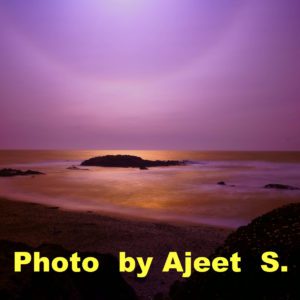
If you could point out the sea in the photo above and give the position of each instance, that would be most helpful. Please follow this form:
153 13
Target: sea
177 194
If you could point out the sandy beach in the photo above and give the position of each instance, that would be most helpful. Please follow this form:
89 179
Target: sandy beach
36 224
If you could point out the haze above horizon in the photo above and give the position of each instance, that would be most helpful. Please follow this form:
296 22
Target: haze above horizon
150 74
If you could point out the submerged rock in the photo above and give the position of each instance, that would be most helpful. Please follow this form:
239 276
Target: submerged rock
129 161
278 186
76 168
104 284
143 168
276 231
221 183
14 172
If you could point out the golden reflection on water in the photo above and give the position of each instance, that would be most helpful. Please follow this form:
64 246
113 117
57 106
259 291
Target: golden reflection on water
188 193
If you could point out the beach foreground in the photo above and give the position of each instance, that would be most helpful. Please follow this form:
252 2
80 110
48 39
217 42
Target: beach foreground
35 224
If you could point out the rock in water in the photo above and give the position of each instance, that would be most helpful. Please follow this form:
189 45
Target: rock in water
143 168
104 284
14 172
129 161
278 186
221 183
276 231
74 168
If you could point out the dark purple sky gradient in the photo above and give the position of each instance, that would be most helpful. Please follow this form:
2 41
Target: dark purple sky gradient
151 74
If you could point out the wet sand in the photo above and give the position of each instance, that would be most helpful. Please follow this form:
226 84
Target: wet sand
35 224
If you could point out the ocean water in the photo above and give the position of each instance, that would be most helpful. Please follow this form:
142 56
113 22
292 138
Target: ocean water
174 194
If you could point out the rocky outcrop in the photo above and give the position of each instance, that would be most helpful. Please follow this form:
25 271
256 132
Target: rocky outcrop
278 186
14 172
129 161
275 231
104 284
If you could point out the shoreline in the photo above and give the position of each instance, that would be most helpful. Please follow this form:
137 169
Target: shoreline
35 224
127 215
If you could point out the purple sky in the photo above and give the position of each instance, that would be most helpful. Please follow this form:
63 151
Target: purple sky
150 74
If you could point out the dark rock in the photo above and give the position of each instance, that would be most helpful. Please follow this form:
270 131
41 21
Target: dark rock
276 231
221 183
104 284
129 161
143 168
278 186
76 168
14 172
